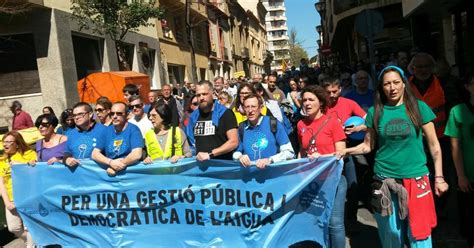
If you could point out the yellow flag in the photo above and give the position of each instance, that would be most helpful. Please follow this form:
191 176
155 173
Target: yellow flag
283 65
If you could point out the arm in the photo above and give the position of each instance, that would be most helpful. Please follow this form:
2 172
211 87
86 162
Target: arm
463 182
364 147
133 157
286 153
433 144
230 145
6 200
115 164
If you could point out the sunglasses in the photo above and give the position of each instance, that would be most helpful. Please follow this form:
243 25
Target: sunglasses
99 110
44 124
140 105
195 103
117 114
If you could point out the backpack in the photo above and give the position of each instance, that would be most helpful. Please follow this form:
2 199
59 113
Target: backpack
273 127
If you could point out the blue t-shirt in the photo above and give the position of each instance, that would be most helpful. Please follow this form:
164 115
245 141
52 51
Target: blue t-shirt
119 145
259 141
81 143
365 101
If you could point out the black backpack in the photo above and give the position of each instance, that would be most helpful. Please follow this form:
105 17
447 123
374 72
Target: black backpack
273 127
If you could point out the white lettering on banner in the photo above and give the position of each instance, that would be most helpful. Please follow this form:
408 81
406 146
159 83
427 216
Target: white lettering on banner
204 128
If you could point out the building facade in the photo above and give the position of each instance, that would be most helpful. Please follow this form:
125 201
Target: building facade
277 33
175 50
44 54
440 28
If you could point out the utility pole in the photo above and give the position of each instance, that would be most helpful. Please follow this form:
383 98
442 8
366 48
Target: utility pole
190 34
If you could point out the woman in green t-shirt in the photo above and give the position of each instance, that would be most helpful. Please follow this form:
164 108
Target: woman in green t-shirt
402 195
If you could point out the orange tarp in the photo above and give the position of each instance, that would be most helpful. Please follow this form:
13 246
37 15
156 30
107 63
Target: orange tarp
110 84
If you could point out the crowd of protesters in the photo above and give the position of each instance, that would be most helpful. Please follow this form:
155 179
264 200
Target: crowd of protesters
417 123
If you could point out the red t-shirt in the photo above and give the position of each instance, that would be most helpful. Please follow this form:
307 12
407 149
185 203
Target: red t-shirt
22 121
325 140
344 109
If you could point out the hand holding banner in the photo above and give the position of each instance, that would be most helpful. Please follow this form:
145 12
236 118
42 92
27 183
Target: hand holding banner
189 204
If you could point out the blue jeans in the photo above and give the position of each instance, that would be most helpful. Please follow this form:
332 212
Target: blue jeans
337 231
392 229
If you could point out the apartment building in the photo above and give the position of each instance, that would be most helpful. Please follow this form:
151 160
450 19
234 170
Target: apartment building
277 32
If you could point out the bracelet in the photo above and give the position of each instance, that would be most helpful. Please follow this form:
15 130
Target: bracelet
439 177
440 182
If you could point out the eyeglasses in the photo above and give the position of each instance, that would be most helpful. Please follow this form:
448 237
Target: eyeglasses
8 142
222 98
152 116
99 110
120 114
44 124
140 105
79 114
244 93
195 103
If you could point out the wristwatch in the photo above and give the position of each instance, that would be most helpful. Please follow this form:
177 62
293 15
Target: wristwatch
271 160
211 155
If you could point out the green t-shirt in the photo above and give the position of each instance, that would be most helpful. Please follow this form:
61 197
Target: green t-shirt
461 125
400 151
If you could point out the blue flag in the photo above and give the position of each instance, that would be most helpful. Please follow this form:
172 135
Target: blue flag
189 204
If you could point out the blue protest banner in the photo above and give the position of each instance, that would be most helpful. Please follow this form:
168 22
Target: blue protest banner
190 204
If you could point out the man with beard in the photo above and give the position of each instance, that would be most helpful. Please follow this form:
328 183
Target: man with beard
212 129
175 106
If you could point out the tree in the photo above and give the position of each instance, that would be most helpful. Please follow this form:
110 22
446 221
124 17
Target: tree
296 50
14 7
115 18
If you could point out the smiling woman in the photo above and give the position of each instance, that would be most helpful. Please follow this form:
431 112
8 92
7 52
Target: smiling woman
51 148
16 152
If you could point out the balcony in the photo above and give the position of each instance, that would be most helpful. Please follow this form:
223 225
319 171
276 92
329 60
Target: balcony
277 18
281 47
344 5
276 38
276 28
276 7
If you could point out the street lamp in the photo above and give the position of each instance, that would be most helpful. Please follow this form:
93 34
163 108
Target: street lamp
319 29
320 7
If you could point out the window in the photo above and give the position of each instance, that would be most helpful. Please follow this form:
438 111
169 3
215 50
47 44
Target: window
178 29
199 38
175 74
87 55
18 68
125 56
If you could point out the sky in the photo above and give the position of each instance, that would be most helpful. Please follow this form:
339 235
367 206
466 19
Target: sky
302 16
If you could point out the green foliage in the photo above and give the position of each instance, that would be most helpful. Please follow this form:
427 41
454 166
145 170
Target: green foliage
114 18
296 50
